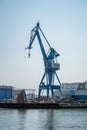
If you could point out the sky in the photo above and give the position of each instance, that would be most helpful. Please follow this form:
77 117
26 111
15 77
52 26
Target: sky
64 23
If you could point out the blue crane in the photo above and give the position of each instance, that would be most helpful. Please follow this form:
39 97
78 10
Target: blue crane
50 63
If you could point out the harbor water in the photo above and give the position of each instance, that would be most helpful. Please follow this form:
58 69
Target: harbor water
43 119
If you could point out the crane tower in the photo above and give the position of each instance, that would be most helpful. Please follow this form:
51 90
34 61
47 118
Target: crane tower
50 63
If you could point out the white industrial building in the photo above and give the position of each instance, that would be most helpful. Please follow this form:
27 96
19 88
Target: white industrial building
74 90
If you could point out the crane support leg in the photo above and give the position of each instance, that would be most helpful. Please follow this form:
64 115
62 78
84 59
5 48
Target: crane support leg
47 83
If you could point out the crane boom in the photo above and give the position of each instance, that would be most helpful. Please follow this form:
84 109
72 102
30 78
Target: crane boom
50 62
34 33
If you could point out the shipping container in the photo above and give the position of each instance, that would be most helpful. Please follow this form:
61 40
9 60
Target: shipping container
5 92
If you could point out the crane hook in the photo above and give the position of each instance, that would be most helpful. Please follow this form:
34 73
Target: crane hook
29 53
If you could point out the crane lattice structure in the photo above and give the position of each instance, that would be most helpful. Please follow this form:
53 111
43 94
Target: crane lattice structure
50 63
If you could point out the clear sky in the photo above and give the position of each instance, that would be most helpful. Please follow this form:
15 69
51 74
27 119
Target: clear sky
64 23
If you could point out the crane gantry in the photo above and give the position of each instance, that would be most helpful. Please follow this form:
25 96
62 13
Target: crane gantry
50 63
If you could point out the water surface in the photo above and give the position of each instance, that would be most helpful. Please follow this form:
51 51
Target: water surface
43 119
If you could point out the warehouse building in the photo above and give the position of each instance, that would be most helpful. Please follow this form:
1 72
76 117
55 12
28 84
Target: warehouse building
75 90
5 92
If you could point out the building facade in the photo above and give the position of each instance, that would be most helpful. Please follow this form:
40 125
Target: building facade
5 92
75 90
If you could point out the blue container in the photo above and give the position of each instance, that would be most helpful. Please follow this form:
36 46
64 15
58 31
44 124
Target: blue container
2 93
5 93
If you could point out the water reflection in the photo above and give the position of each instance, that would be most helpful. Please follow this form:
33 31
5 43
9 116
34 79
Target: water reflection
21 119
73 119
49 120
46 119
